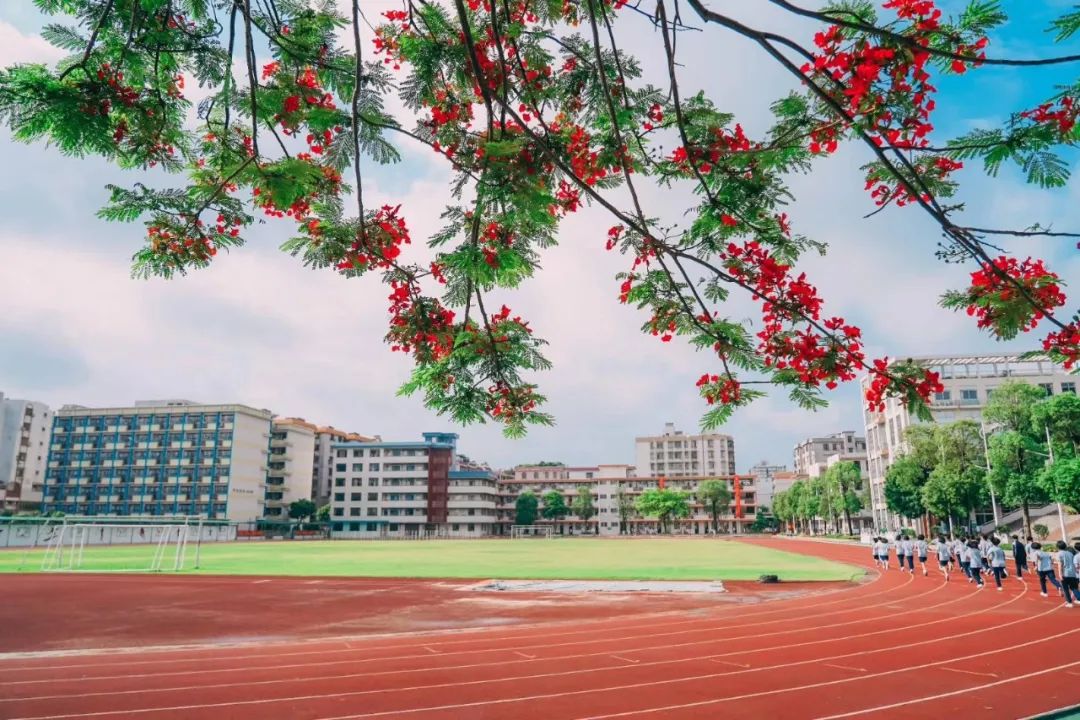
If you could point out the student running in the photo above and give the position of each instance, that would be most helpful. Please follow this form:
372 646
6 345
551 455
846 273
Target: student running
1019 556
975 563
962 557
909 552
997 561
900 552
1044 567
1067 564
922 547
944 556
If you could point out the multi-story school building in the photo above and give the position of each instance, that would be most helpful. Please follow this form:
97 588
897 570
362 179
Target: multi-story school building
675 454
289 466
25 427
616 487
322 466
969 382
159 458
410 489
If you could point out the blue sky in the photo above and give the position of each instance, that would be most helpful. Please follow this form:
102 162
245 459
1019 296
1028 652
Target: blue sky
258 328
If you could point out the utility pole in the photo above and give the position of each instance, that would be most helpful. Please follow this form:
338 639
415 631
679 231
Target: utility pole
1061 512
986 455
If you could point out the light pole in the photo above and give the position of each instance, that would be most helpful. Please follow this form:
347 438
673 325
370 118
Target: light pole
1050 458
986 455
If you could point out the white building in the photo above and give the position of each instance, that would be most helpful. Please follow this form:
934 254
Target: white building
969 381
410 489
812 455
159 458
764 476
674 454
322 472
25 428
289 465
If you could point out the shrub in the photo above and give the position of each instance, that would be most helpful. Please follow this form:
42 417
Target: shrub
1041 531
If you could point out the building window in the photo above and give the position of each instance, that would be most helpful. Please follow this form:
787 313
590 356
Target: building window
356 482
339 497
1068 387
357 467
943 396
339 482
339 512
373 482
356 497
354 512
374 467
372 527
373 497
357 453
1048 387
969 396
373 512
340 467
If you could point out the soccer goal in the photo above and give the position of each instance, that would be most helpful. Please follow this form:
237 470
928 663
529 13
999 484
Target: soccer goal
530 531
102 546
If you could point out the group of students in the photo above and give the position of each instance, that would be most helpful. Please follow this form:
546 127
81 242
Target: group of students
975 553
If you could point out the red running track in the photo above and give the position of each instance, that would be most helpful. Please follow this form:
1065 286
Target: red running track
897 647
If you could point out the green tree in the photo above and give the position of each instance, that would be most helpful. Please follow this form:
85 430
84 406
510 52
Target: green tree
904 481
764 520
584 507
844 480
625 502
950 491
1016 463
664 505
714 496
1011 406
798 504
1061 482
323 513
782 508
537 108
555 507
526 508
301 509
1061 414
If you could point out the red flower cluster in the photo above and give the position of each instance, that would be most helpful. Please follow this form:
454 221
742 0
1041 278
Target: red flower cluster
992 298
788 339
494 238
121 93
1061 117
180 249
584 161
419 325
385 233
904 381
656 115
613 234
714 391
1066 344
704 157
510 404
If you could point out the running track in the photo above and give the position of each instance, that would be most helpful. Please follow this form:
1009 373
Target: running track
896 647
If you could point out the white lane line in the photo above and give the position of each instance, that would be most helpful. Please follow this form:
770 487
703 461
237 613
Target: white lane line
617 657
844 667
970 672
595 626
435 652
527 657
259 582
360 661
939 696
574 672
313 582
785 646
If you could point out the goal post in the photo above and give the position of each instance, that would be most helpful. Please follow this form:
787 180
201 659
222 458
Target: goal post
530 531
119 545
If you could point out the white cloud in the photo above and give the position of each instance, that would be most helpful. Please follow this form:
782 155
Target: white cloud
18 48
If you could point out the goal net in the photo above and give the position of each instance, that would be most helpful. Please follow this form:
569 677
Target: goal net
530 531
97 546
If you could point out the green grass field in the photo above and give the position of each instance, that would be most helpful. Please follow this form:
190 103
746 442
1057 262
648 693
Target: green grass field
576 559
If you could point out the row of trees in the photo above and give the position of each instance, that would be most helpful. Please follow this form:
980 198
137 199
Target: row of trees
1030 457
664 504
836 493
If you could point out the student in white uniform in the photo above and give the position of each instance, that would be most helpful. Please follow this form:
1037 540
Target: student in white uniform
1067 564
900 552
944 556
975 562
909 552
997 561
1044 567
921 547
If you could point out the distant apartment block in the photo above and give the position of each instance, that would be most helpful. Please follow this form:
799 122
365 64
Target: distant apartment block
410 489
615 486
765 474
289 465
159 458
812 455
25 428
674 454
969 382
322 473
